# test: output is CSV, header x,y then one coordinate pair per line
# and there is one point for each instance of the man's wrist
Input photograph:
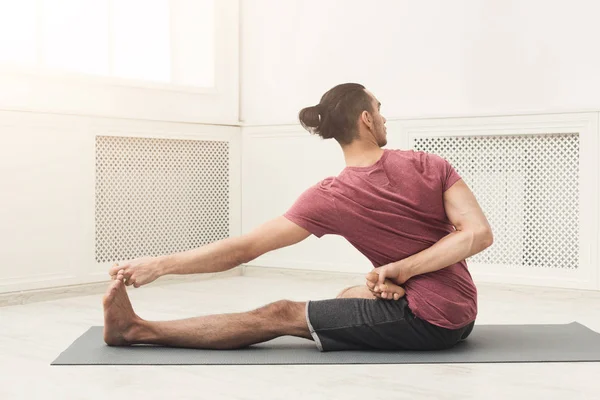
x,y
164,264
405,270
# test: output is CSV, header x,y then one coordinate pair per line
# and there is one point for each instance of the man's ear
x,y
366,119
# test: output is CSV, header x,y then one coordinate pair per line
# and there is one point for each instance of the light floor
x,y
32,336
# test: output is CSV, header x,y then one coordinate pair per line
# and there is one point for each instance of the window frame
x,y
22,87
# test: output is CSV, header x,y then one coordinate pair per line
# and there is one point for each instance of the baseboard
x,y
62,292
349,278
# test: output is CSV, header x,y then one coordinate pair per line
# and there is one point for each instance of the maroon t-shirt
x,y
390,211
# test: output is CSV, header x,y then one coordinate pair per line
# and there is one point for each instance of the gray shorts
x,y
355,324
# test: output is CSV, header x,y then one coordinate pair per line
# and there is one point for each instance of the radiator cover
x,y
159,196
528,188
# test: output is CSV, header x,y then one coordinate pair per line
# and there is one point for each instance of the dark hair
x,y
336,115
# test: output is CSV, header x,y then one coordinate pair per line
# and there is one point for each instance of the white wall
x,y
47,207
421,58
48,124
279,162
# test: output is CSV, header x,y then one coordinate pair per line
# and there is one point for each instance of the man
x,y
408,212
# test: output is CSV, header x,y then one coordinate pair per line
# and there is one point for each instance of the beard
x,y
380,134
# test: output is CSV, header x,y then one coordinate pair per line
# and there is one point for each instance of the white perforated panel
x,y
159,196
528,188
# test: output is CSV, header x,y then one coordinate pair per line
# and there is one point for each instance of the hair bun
x,y
310,117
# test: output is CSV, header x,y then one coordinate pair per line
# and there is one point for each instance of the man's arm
x,y
215,257
229,253
473,234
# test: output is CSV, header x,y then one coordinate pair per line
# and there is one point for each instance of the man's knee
x,y
342,294
356,292
283,310
285,317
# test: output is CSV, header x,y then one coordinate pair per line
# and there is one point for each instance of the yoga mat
x,y
486,344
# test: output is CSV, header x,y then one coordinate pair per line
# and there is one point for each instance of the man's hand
x,y
384,282
396,272
137,272
387,291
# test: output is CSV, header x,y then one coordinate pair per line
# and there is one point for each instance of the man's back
x,y
390,211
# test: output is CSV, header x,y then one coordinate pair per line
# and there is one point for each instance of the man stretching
x,y
408,212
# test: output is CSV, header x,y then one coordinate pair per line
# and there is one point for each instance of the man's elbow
x,y
485,238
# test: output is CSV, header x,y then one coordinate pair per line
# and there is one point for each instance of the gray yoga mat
x,y
486,344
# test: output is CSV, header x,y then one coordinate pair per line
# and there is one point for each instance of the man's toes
x,y
116,285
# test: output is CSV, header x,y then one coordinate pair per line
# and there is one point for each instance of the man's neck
x,y
361,154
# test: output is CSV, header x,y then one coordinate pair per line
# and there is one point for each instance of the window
x,y
164,41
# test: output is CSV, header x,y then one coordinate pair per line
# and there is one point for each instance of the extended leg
x,y
123,327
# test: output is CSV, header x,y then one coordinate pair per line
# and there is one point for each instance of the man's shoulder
x,y
321,189
327,183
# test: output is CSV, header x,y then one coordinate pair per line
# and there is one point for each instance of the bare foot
x,y
119,318
389,290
